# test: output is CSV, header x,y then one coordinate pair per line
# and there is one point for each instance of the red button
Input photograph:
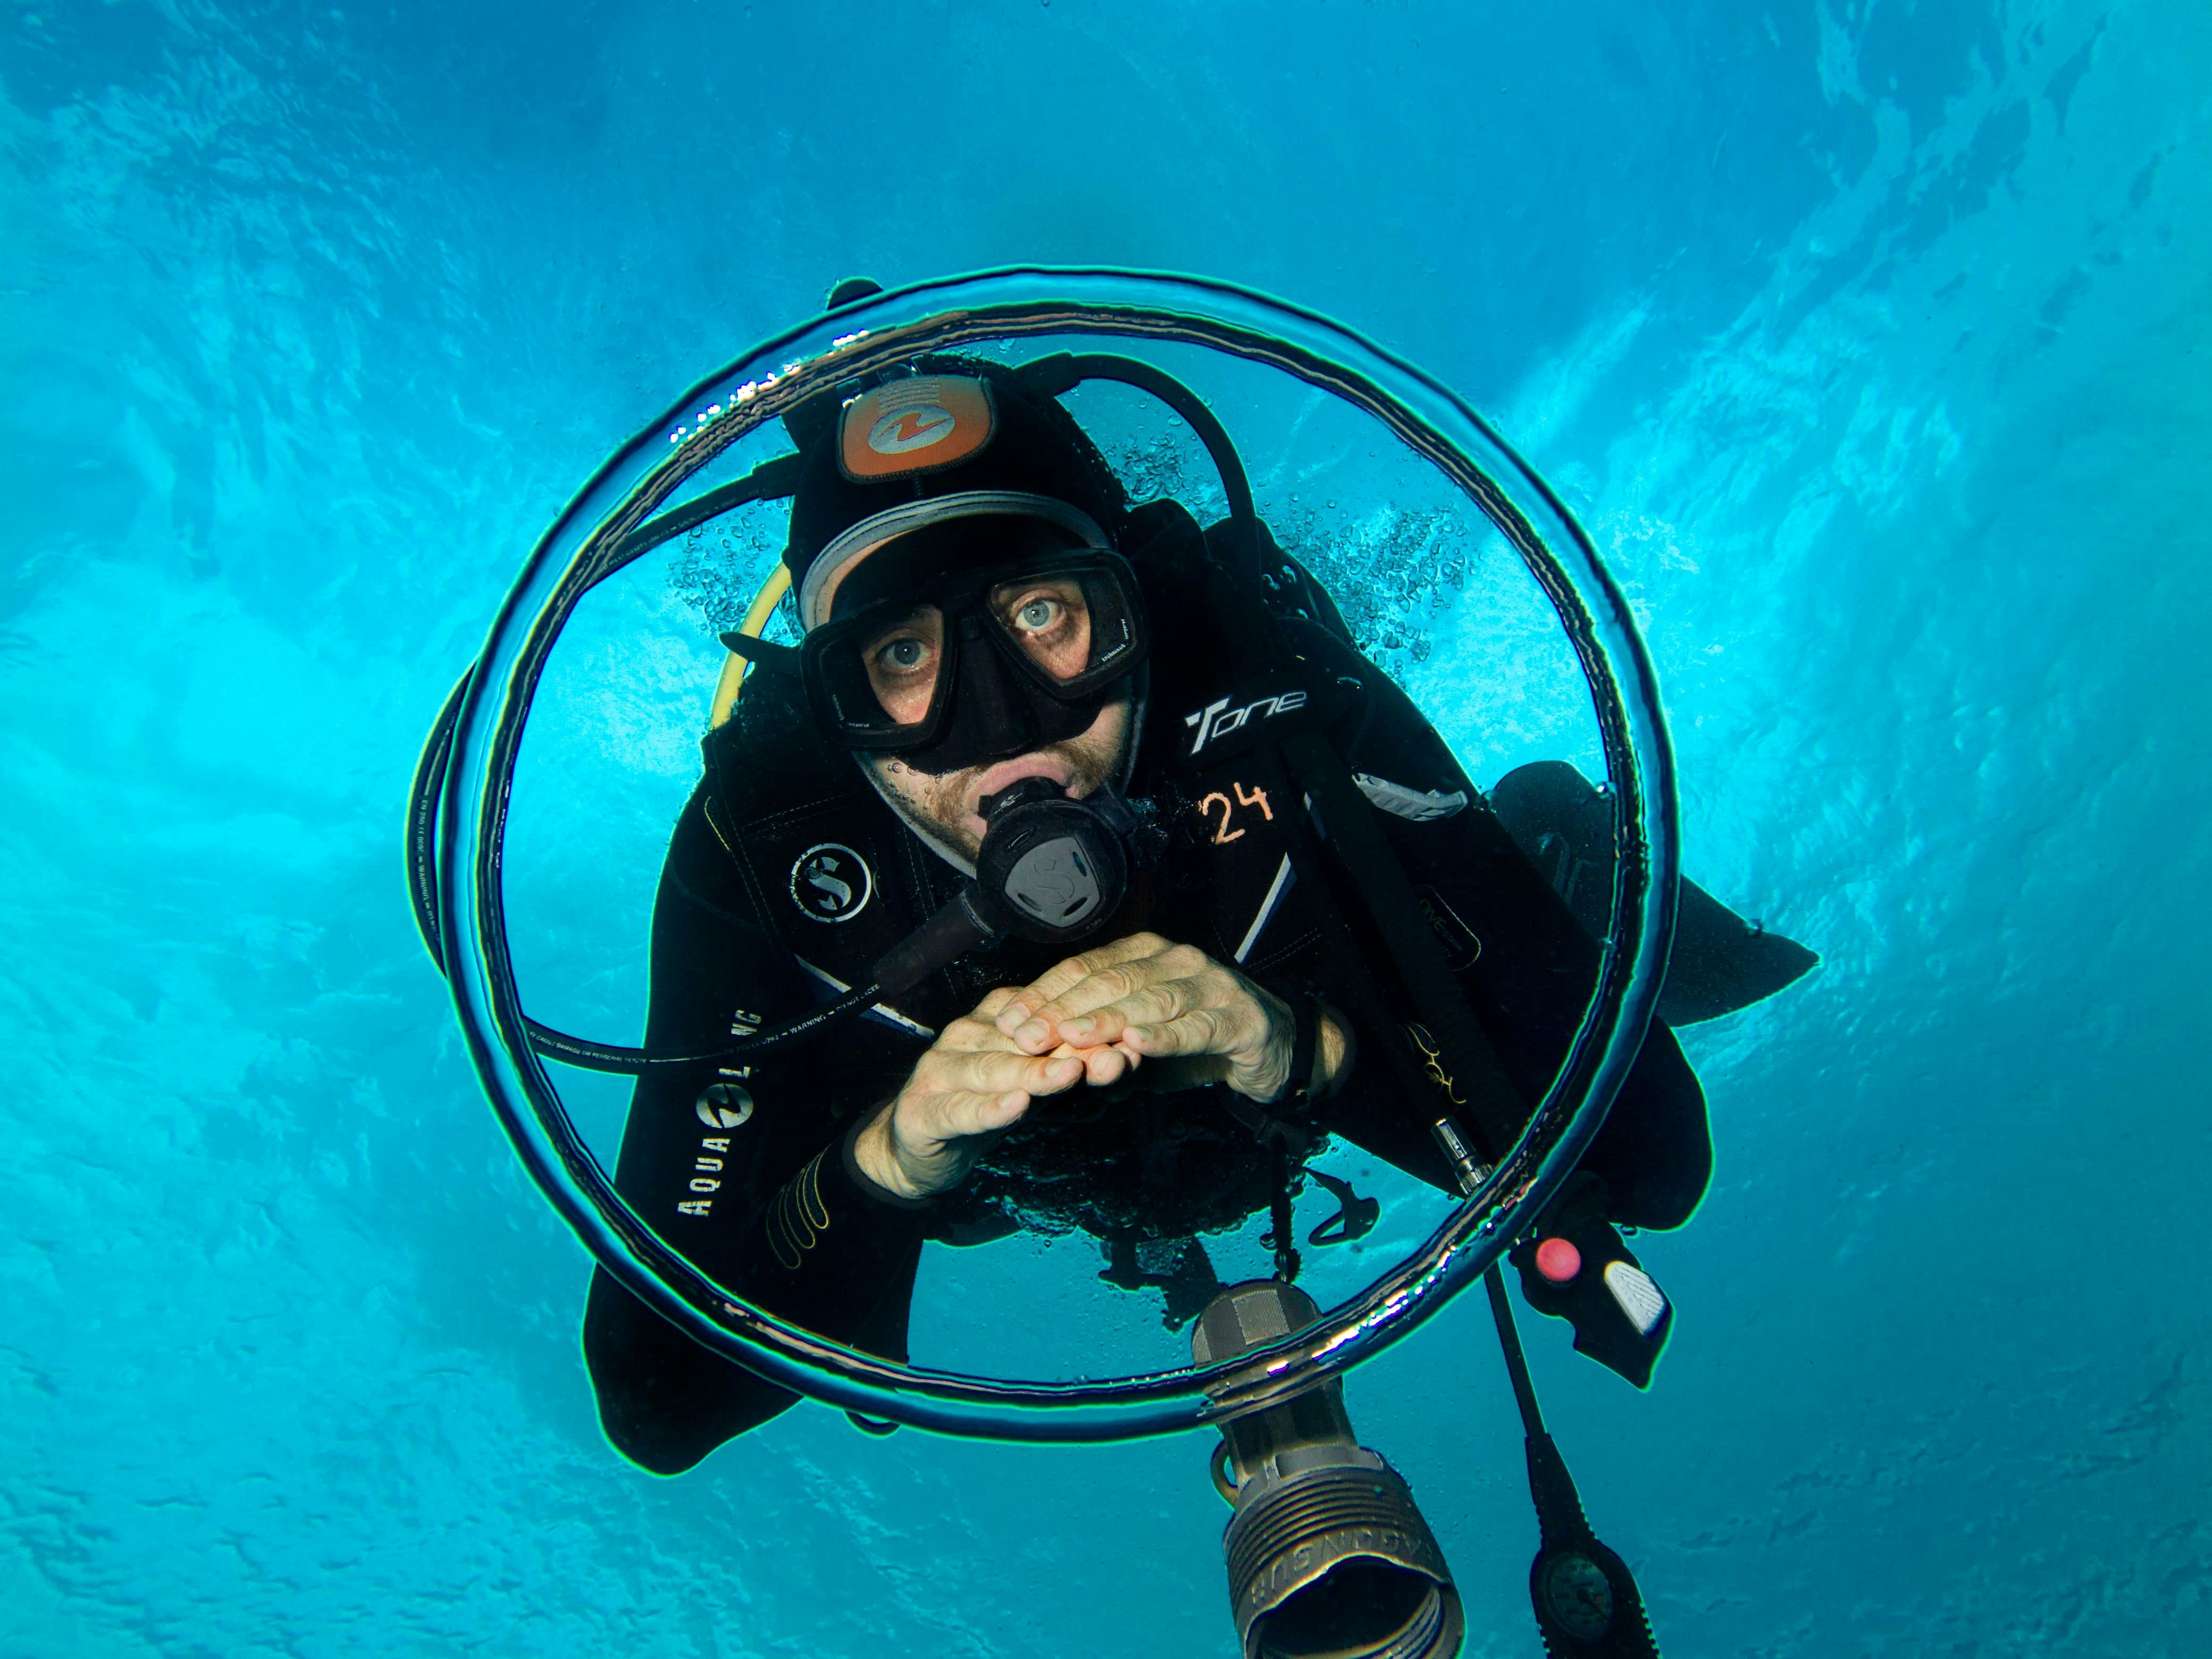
x,y
1558,1260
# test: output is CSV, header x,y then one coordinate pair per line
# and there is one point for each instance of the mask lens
x,y
1075,627
880,672
901,661
1048,620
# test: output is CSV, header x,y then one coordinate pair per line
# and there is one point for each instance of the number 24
x,y
1224,834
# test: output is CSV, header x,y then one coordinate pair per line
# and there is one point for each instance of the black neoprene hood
x,y
1035,448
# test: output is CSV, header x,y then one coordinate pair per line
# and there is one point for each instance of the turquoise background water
x,y
1868,339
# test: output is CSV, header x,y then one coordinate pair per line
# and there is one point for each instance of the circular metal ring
x,y
943,316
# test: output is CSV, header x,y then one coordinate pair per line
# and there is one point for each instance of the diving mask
x,y
978,664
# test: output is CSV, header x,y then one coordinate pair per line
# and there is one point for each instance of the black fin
x,y
1621,1318
1721,962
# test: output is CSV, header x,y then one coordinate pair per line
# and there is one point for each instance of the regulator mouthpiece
x,y
1329,1558
1051,869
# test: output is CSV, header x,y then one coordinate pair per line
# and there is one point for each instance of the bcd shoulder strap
x,y
1468,1069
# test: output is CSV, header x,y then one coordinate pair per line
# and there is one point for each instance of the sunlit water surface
x,y
1865,339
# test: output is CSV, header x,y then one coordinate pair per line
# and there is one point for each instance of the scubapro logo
x,y
910,429
1218,719
831,883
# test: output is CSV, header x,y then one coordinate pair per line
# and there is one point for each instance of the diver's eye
x,y
1037,615
903,656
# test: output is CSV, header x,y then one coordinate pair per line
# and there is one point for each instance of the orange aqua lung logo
x,y
911,428
915,425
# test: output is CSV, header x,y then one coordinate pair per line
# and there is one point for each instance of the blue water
x,y
1870,341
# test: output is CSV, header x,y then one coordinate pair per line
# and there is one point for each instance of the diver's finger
x,y
972,1033
1150,1005
1237,1016
1107,1065
1050,1022
1072,971
1001,1073
1017,1008
988,1009
1206,1031
1094,990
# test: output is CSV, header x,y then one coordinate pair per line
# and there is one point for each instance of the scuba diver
x,y
1158,886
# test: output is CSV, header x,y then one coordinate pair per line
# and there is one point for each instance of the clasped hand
x,y
1094,1018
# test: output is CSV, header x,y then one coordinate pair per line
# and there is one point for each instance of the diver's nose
x,y
987,698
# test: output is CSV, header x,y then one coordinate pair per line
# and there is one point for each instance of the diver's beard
x,y
935,806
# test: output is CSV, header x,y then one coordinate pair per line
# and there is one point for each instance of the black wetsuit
x,y
773,1207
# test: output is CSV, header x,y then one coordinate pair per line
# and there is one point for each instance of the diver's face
x,y
950,803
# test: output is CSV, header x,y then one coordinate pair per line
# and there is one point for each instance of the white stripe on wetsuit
x,y
1275,891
